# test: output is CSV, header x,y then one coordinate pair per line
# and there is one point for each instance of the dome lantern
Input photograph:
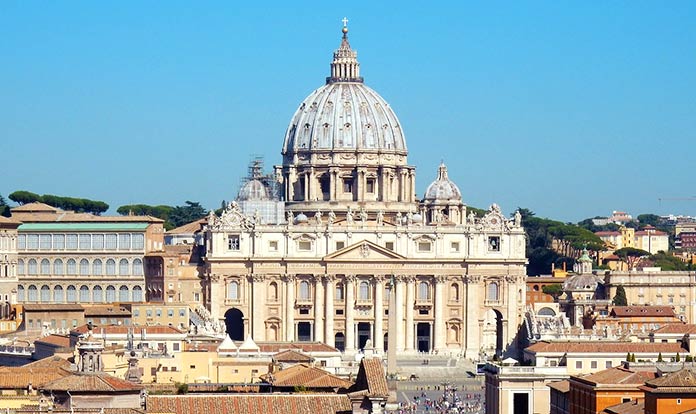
x,y
345,66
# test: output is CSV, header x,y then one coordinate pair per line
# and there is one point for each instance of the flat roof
x,y
83,226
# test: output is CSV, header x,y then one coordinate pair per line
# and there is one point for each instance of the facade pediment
x,y
364,250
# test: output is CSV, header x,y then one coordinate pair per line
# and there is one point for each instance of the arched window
x,y
33,294
71,267
111,267
454,292
273,291
45,267
304,290
71,294
137,294
123,267
364,293
84,267
84,294
20,293
32,267
492,293
110,294
97,295
340,291
233,290
97,267
20,267
45,294
423,291
123,294
58,294
58,267
137,267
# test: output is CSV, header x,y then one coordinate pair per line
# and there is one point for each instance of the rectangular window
x,y
340,245
148,313
33,241
136,312
45,242
175,346
85,241
424,246
389,245
454,247
347,185
192,367
578,364
196,297
124,241
494,244
304,245
98,241
158,312
71,241
304,311
593,364
233,242
58,241
170,313
339,312
370,185
31,324
182,312
22,241
423,311
273,245
111,241
607,364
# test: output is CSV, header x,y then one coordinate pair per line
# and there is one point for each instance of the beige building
x,y
649,239
174,274
355,233
67,257
8,270
172,314
654,287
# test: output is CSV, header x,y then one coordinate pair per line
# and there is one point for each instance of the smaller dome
x,y
301,218
253,190
442,189
583,282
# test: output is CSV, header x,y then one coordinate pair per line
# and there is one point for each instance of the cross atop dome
x,y
345,66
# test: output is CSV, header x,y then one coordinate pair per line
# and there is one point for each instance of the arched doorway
x,y
364,333
234,322
340,341
493,339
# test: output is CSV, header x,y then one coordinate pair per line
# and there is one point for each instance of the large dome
x,y
344,114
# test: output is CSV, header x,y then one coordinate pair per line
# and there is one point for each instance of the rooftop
x,y
606,347
250,404
303,375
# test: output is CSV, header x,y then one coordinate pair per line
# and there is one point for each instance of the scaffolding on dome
x,y
258,194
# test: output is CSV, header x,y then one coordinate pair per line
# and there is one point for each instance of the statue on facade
x,y
409,218
398,218
380,217
363,216
518,218
332,217
472,218
317,217
349,216
290,217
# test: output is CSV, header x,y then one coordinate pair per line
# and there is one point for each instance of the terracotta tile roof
x,y
39,307
123,329
606,347
250,404
37,373
8,221
306,347
642,311
684,378
106,310
617,376
305,376
291,356
630,407
650,233
53,362
371,379
40,212
676,328
91,382
189,228
561,386
35,207
55,340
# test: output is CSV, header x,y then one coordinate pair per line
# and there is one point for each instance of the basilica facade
x,y
339,235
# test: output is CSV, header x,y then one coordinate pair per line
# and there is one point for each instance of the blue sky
x,y
571,109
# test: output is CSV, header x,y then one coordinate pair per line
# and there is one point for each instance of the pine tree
x,y
659,357
620,298
677,358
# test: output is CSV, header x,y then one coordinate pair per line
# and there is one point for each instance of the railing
x,y
16,350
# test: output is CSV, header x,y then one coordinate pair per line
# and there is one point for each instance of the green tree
x,y
181,215
554,289
23,197
677,358
649,219
631,256
659,357
620,297
668,262
4,208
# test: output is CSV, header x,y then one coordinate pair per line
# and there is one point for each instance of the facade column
x,y
318,309
399,311
378,340
402,185
292,177
289,307
258,289
307,183
350,309
412,186
214,299
329,318
472,315
410,304
333,182
440,340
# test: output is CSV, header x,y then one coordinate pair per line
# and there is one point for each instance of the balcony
x,y
304,303
527,371
424,303
364,303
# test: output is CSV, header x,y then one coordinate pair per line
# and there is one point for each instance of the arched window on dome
x,y
492,292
